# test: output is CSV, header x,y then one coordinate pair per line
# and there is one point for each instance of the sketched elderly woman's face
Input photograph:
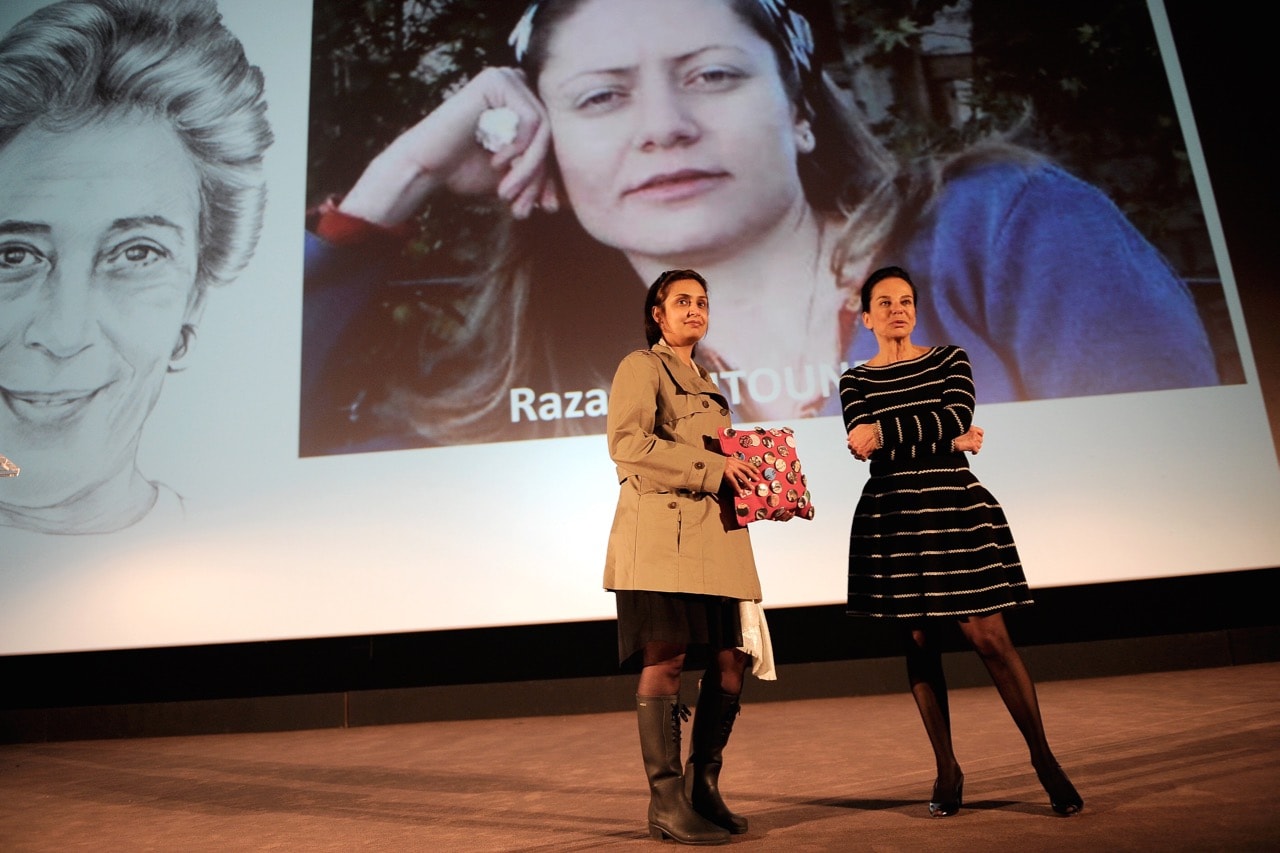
x,y
99,242
673,131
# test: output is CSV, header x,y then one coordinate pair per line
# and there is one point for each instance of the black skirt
x,y
703,623
931,541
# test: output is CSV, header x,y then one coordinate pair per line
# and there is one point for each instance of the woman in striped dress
x,y
929,543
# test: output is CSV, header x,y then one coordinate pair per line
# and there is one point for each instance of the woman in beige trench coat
x,y
677,562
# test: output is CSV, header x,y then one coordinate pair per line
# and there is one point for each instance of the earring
x,y
805,140
188,334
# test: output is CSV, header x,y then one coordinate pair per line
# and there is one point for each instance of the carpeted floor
x,y
1173,761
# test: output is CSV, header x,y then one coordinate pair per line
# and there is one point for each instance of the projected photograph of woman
x,y
131,141
466,269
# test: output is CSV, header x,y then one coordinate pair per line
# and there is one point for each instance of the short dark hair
x,y
879,276
657,293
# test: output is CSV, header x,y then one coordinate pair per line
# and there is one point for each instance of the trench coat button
x,y
723,410
699,465
706,404
671,505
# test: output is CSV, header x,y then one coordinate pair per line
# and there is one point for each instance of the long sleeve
x,y
1083,303
661,453
939,423
338,283
1050,290
671,531
921,406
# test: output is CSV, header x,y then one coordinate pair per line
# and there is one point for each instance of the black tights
x,y
663,663
990,639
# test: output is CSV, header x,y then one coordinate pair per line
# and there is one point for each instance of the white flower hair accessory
x,y
519,38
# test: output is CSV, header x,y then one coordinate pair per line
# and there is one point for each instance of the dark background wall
x,y
1102,629
1229,76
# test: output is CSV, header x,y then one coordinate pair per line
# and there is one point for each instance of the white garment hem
x,y
755,640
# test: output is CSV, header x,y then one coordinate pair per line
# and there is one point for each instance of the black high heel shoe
x,y
1063,798
939,807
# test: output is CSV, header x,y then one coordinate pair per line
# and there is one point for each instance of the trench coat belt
x,y
691,493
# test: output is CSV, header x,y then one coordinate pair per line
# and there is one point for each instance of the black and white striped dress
x,y
928,539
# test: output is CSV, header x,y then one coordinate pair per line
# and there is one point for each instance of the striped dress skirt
x,y
929,540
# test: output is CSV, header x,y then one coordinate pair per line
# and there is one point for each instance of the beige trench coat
x,y
669,531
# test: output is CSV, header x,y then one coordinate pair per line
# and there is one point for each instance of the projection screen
x,y
341,431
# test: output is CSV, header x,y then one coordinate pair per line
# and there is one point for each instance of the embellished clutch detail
x,y
784,486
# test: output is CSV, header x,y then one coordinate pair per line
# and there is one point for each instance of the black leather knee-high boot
x,y
670,814
712,725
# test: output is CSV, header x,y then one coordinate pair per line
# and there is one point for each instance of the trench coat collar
x,y
691,379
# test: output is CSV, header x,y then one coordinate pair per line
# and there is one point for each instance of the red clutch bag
x,y
784,487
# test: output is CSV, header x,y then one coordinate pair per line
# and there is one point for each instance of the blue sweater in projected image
x,y
1051,291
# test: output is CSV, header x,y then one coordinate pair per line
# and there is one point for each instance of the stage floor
x,y
1171,761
